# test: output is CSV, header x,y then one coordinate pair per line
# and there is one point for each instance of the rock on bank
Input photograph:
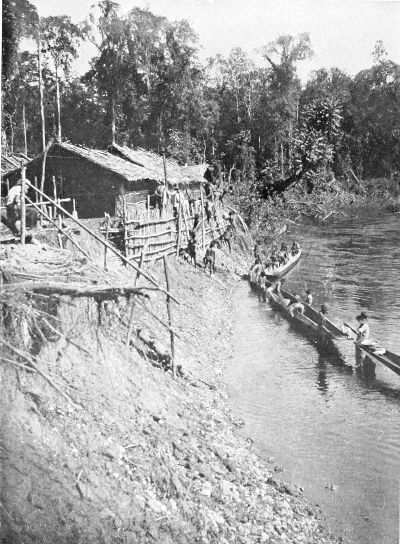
x,y
136,457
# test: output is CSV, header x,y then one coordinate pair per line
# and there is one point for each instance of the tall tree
x,y
283,55
60,39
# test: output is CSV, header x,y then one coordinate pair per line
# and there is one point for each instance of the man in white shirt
x,y
13,206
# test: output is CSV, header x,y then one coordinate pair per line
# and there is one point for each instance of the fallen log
x,y
78,289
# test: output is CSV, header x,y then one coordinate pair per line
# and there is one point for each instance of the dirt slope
x,y
136,457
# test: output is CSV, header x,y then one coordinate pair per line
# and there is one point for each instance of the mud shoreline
x,y
136,457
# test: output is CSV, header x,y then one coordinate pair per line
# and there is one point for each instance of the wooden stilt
x,y
55,211
178,242
35,183
171,334
130,329
203,218
23,208
60,240
107,216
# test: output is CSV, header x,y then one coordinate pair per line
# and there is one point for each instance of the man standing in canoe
x,y
363,329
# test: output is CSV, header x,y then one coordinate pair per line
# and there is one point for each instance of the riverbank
x,y
328,200
119,452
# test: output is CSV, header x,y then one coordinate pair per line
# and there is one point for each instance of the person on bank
x,y
192,247
309,298
262,283
363,329
209,258
13,207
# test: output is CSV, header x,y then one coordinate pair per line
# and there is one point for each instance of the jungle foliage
x,y
146,87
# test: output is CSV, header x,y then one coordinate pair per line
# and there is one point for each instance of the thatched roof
x,y
12,162
109,161
176,173
128,164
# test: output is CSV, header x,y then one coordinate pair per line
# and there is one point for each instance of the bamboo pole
x,y
46,216
130,329
178,241
35,183
110,247
151,235
53,179
203,218
60,240
171,334
184,216
23,208
106,236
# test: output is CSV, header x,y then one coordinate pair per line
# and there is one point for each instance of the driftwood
x,y
76,289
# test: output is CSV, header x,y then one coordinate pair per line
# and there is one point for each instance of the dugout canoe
x,y
382,355
280,271
310,322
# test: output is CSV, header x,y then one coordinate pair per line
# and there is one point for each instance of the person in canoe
x,y
309,297
262,294
296,306
275,287
295,248
363,329
322,313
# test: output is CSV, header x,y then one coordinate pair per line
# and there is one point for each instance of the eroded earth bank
x,y
114,450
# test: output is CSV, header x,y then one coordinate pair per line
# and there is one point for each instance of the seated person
x,y
295,248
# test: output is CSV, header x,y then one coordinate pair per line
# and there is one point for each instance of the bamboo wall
x,y
161,234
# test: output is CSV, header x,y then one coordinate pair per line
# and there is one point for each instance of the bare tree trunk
x,y
41,100
11,135
58,106
24,129
237,106
112,113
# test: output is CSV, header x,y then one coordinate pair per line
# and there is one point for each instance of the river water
x,y
335,432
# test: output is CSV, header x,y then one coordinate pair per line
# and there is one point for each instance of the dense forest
x,y
146,87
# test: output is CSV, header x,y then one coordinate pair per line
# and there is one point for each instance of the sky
x,y
343,32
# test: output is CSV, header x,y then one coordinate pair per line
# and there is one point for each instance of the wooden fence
x,y
158,233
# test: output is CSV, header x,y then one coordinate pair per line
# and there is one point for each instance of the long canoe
x,y
310,321
279,271
384,356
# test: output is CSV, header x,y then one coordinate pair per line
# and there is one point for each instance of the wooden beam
x,y
171,334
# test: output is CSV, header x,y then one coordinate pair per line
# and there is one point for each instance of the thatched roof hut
x,y
96,179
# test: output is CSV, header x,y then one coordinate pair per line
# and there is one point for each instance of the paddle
x,y
308,252
350,327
